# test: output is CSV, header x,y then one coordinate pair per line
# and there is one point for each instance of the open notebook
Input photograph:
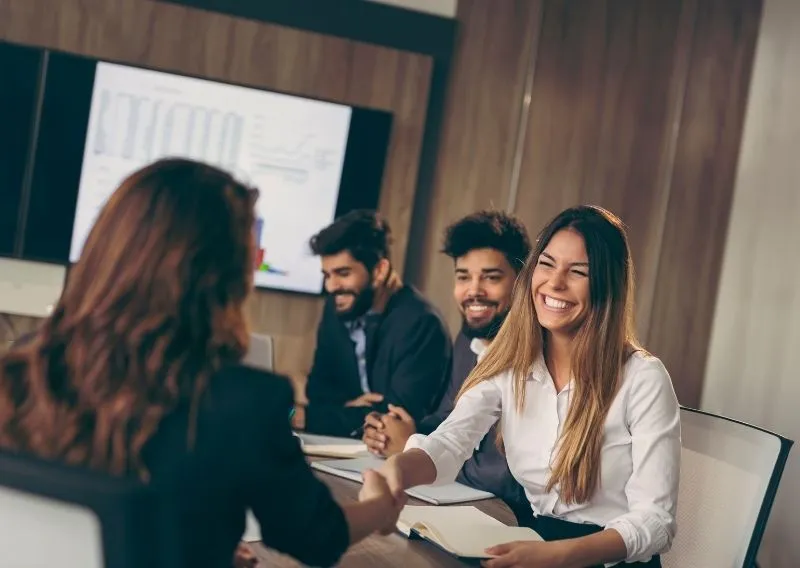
x,y
463,531
332,447
435,494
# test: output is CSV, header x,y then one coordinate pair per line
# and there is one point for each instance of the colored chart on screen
x,y
291,148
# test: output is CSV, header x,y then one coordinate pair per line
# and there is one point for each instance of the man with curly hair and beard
x,y
488,249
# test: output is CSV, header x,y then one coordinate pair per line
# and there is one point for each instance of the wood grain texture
x,y
607,87
480,125
635,106
174,38
393,551
703,177
753,357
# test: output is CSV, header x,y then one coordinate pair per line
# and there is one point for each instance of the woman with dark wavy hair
x,y
137,373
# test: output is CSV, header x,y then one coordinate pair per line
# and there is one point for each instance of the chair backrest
x,y
730,472
260,353
53,515
32,528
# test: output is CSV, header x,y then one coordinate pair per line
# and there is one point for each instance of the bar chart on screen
x,y
291,148
142,128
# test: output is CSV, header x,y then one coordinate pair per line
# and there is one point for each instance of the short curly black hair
x,y
363,233
489,229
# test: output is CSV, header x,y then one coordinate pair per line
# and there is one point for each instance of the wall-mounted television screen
x,y
20,67
311,160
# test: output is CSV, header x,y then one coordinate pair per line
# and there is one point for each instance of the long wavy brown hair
x,y
603,343
150,311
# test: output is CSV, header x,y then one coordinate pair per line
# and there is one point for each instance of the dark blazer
x,y
487,469
408,360
245,456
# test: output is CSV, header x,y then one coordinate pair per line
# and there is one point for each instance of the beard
x,y
486,331
362,302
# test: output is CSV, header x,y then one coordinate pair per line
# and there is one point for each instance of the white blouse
x,y
640,457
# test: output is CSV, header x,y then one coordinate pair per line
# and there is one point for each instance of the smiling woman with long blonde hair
x,y
590,422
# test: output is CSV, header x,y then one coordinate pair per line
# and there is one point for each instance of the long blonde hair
x,y
602,345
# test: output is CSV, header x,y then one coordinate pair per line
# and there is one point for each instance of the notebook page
x,y
338,472
431,515
334,451
472,542
435,494
317,440
358,465
330,446
463,531
447,494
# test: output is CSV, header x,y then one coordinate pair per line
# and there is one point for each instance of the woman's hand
x,y
528,555
376,489
393,474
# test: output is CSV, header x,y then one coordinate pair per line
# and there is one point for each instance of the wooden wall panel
x,y
174,38
635,105
700,195
638,107
607,87
494,50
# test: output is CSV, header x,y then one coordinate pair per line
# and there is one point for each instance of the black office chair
x,y
54,515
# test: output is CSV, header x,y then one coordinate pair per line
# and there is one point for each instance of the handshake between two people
x,y
380,501
386,435
385,489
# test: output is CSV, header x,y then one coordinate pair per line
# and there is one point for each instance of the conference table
x,y
390,551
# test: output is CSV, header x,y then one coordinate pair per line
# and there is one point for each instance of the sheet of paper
x,y
463,531
458,514
330,446
436,494
317,440
357,465
472,542
448,494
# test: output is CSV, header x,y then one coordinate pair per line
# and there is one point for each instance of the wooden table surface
x,y
384,551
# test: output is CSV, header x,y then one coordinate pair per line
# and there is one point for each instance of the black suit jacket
x,y
245,456
408,360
